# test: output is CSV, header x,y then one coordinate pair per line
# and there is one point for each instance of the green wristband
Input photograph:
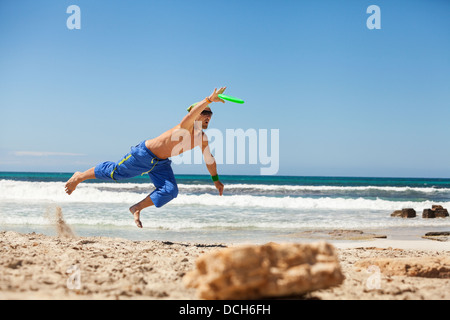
x,y
215,178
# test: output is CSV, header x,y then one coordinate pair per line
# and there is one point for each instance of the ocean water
x,y
252,209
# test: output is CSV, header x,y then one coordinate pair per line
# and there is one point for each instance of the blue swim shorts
x,y
139,161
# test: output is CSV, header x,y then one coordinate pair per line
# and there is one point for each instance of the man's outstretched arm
x,y
211,164
188,120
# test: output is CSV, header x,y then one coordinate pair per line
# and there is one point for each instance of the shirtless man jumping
x,y
152,157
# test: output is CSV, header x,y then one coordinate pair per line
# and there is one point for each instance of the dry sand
x,y
36,266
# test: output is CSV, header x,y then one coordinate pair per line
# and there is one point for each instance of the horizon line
x,y
255,175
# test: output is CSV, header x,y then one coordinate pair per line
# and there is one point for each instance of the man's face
x,y
205,117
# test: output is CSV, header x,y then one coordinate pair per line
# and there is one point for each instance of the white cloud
x,y
44,154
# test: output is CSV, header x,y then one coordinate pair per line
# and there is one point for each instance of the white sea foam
x,y
243,207
247,221
54,191
131,193
263,187
300,202
317,188
23,188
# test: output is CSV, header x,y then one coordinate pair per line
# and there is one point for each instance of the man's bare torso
x,y
175,141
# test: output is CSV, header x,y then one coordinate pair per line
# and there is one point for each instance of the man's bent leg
x,y
79,177
136,209
166,189
165,183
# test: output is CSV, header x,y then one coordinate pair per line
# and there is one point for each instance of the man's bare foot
x,y
137,214
73,182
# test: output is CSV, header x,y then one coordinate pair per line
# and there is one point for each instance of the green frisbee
x,y
232,99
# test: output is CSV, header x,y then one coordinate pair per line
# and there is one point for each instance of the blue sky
x,y
348,101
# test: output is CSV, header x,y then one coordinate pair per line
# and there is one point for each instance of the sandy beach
x,y
37,266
